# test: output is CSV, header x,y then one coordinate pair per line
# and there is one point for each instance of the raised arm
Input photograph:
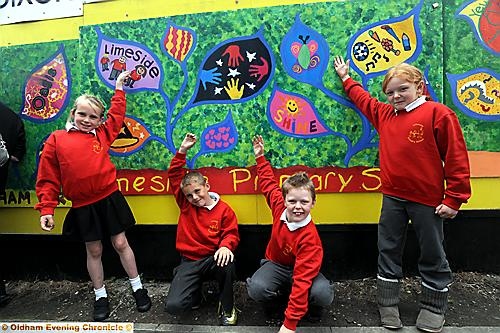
x,y
341,67
187,143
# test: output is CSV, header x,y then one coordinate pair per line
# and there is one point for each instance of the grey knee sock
x,y
388,292
434,300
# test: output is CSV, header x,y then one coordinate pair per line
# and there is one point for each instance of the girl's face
x,y
86,117
401,92
299,203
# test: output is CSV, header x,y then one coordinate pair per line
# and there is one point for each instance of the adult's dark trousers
x,y
392,233
185,289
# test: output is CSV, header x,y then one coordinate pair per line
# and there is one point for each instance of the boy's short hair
x,y
193,177
405,71
298,180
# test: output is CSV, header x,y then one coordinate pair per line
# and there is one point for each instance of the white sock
x,y
101,292
136,283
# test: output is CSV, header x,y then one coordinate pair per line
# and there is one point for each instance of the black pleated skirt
x,y
104,218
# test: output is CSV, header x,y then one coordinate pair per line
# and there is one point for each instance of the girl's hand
x,y
446,212
258,145
341,67
121,79
188,142
47,222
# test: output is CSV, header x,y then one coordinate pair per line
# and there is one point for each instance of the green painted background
x,y
449,46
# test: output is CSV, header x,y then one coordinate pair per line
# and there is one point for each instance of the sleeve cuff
x,y
452,203
178,154
291,324
260,159
119,92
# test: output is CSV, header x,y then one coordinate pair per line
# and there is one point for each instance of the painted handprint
x,y
259,71
210,76
233,90
234,55
254,71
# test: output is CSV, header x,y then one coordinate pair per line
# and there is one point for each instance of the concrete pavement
x,y
164,328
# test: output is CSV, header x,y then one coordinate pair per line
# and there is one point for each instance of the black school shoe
x,y
101,309
142,300
314,314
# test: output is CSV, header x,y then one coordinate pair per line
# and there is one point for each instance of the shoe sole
x,y
101,318
144,308
391,327
431,330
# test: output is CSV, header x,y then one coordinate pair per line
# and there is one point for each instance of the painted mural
x,y
227,76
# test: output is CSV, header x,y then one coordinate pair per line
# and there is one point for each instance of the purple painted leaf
x,y
114,56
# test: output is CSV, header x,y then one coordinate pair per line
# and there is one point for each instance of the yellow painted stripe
x,y
121,10
331,208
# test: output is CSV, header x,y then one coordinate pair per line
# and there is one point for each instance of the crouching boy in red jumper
x,y
207,235
294,252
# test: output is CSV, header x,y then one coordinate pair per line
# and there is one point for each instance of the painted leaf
x,y
220,137
234,71
477,93
47,90
382,45
114,56
178,42
304,53
133,136
484,18
294,115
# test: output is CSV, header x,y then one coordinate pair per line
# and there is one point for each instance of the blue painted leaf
x,y
221,137
304,53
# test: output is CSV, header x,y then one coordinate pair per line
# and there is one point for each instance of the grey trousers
x,y
273,280
185,289
392,228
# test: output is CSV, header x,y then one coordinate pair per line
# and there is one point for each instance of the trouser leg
x,y
225,277
184,287
269,281
392,229
321,293
432,263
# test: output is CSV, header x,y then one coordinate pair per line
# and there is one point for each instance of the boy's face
x,y
401,92
197,194
86,118
298,203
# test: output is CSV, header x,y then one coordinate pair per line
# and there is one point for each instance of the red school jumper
x,y
413,146
300,249
201,231
80,163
